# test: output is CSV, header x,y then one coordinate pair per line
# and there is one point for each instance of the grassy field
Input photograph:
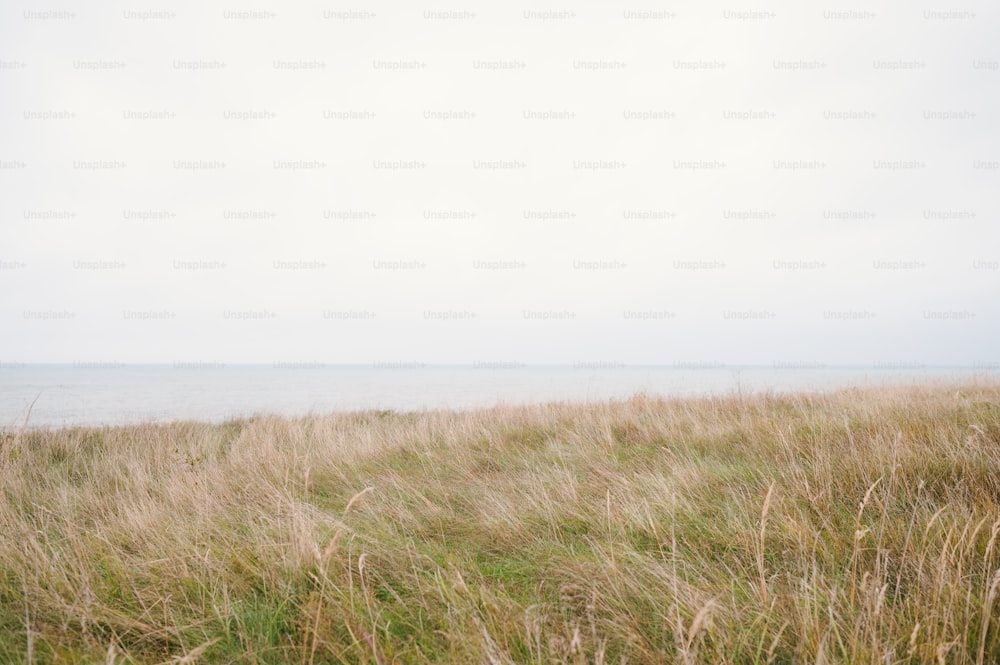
x,y
852,527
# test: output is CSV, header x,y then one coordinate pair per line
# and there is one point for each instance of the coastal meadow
x,y
853,526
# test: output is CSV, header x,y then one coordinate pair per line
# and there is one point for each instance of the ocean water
x,y
66,395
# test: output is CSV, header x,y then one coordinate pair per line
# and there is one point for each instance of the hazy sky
x,y
676,182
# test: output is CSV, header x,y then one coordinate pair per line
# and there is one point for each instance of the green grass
x,y
861,526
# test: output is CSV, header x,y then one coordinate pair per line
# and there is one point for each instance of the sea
x,y
53,396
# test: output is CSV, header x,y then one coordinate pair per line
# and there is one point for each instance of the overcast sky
x,y
675,182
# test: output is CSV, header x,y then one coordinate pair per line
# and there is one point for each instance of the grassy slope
x,y
860,527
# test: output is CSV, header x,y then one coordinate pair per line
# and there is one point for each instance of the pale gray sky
x,y
658,183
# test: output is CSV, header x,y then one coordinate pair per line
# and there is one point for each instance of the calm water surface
x,y
74,395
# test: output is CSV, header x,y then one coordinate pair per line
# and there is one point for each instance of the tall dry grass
x,y
855,527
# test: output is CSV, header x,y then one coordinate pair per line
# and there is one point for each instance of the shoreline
x,y
984,377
